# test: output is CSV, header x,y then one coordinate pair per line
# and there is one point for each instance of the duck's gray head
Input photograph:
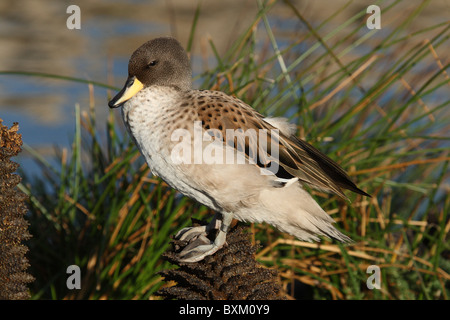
x,y
158,62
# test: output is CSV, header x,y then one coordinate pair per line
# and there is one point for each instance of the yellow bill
x,y
132,86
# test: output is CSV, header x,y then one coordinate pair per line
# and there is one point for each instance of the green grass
x,y
376,104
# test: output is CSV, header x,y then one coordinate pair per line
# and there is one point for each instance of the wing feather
x,y
294,157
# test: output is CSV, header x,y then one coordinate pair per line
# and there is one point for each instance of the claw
x,y
199,245
198,253
188,234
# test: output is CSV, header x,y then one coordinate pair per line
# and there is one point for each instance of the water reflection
x,y
34,37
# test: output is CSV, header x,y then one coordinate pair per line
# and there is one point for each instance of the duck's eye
x,y
152,63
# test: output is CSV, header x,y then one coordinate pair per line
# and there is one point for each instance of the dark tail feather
x,y
331,168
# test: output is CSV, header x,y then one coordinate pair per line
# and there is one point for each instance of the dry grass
x,y
376,104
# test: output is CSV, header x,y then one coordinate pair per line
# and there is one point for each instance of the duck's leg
x,y
202,246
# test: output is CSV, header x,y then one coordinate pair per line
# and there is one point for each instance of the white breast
x,y
150,118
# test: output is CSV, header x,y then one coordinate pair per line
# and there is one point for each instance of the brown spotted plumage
x,y
263,183
219,112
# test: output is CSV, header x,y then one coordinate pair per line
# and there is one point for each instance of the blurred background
x,y
34,38
375,100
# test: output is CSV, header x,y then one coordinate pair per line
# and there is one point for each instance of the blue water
x,y
23,98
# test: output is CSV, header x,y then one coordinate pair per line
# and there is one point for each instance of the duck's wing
x,y
243,128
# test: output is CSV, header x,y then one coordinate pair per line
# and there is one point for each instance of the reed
x,y
378,104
